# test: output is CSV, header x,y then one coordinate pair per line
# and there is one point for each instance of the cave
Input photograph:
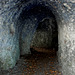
x,y
26,25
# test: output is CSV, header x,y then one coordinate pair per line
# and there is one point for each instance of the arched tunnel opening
x,y
41,40
38,19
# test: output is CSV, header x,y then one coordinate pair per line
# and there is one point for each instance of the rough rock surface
x,y
12,22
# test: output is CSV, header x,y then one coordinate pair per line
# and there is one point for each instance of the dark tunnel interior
x,y
46,22
38,32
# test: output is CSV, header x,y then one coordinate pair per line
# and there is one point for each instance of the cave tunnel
x,y
46,35
34,22
37,37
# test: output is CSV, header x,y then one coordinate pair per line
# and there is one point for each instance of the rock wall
x,y
12,24
41,39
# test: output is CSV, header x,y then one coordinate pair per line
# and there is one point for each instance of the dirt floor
x,y
38,63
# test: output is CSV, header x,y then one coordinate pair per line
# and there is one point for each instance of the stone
x,y
19,13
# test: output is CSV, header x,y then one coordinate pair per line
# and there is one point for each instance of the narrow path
x,y
37,63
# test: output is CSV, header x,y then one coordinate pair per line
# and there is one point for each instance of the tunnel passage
x,y
46,35
12,24
31,23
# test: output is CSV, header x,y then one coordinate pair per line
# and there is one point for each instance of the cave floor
x,y
36,64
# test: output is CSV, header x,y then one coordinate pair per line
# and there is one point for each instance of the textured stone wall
x,y
67,48
41,39
12,24
9,45
66,40
26,35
